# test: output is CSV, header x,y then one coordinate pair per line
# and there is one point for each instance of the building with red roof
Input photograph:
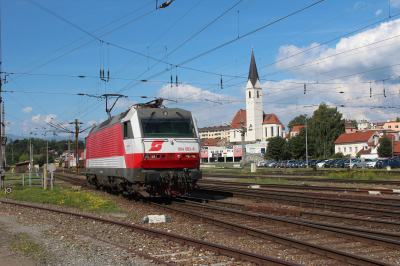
x,y
259,126
358,142
296,130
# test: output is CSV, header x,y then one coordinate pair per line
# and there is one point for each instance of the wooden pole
x,y
45,176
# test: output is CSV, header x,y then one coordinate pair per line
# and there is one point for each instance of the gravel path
x,y
58,247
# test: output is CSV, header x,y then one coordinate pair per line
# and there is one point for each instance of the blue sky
x,y
340,49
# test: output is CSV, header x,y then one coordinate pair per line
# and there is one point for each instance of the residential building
x,y
377,125
355,142
296,130
260,126
363,124
349,127
215,132
209,142
392,125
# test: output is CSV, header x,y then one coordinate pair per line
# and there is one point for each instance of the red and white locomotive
x,y
147,150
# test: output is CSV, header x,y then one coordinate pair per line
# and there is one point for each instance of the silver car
x,y
360,163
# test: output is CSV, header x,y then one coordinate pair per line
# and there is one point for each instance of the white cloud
x,y
395,3
27,110
325,63
124,104
378,12
189,94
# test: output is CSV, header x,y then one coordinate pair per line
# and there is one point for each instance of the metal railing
x,y
18,178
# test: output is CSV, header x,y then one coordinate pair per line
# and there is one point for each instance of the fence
x,y
34,179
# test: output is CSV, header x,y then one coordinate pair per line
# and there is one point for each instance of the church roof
x,y
271,119
268,119
253,74
238,118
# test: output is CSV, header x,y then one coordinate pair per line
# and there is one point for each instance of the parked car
x,y
272,164
331,163
392,162
372,163
322,163
361,163
351,163
340,163
315,162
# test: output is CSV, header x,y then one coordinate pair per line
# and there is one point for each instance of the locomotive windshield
x,y
153,127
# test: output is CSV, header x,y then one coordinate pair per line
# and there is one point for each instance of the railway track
x,y
218,251
296,177
260,228
359,207
306,216
305,190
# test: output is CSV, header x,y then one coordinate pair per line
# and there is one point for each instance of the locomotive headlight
x,y
179,156
146,156
153,156
193,155
187,155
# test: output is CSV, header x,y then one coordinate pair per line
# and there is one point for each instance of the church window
x,y
258,94
278,130
234,134
272,131
266,132
249,94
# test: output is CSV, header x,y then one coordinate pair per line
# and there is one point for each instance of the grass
x,y
268,181
62,196
22,243
358,174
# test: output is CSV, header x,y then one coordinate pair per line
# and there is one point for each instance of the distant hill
x,y
57,138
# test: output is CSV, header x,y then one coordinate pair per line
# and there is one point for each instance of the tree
x,y
355,124
338,155
278,149
397,119
297,121
325,126
385,147
297,145
24,157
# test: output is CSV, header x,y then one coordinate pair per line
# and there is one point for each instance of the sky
x,y
340,52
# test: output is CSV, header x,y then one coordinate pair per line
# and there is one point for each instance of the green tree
x,y
338,155
325,126
24,157
355,124
297,145
385,147
297,121
397,119
278,149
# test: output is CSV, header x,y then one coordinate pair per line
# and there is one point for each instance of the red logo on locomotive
x,y
156,145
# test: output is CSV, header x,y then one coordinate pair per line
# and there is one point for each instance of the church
x,y
260,126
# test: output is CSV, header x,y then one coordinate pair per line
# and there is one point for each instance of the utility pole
x,y
47,152
243,131
3,132
76,144
69,139
306,143
1,99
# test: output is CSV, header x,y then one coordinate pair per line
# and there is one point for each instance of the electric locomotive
x,y
147,150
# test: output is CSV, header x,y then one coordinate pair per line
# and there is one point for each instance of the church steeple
x,y
253,74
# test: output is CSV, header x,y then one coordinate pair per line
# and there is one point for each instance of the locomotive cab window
x,y
153,127
127,130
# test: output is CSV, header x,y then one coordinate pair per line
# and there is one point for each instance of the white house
x,y
358,142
